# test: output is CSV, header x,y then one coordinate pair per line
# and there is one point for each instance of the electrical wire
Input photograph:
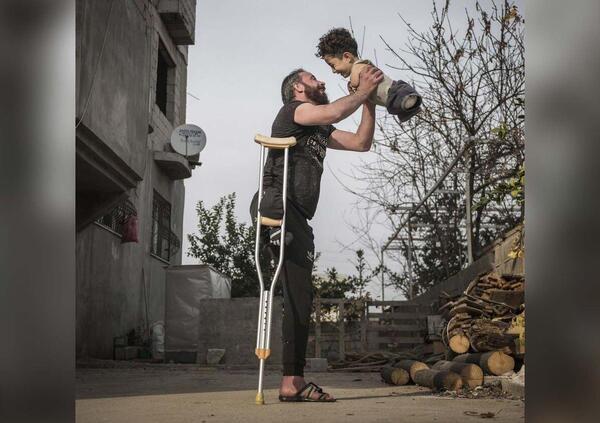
x,y
87,101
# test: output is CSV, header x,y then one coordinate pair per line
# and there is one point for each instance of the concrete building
x,y
131,93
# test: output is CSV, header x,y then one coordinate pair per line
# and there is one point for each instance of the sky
x,y
242,51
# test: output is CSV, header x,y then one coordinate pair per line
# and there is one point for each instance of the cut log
x,y
446,307
493,363
487,335
459,343
394,375
511,298
457,321
471,374
438,379
512,277
465,308
411,366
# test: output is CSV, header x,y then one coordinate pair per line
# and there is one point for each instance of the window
x,y
115,219
164,242
165,70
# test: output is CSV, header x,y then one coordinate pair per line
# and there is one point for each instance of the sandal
x,y
308,390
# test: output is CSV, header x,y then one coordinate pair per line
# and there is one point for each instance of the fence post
x,y
363,327
468,201
341,329
318,327
411,292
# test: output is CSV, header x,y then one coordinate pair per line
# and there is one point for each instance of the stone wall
x,y
232,324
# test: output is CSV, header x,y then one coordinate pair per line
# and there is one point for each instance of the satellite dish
x,y
188,140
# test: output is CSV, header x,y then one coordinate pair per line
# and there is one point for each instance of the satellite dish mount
x,y
188,140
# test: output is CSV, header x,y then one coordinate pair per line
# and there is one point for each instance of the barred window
x,y
161,227
115,219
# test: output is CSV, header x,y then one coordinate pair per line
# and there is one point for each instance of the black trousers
x,y
297,292
296,279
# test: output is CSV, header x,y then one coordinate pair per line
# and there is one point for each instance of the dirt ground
x,y
207,395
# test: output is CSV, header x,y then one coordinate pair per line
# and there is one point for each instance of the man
x,y
308,116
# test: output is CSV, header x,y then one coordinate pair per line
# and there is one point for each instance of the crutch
x,y
265,311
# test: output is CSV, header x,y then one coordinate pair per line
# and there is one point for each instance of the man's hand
x,y
369,79
309,114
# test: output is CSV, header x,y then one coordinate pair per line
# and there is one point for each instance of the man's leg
x,y
297,306
297,303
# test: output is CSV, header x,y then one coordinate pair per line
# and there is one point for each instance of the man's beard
x,y
315,94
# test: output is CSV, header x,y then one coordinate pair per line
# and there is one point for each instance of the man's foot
x,y
295,389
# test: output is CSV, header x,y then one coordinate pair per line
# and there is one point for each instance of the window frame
x,y
165,80
160,236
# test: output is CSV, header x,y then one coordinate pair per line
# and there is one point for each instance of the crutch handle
x,y
275,143
267,221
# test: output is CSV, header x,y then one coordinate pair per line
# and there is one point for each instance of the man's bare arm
x,y
362,140
310,114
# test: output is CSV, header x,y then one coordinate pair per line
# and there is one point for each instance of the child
x,y
339,50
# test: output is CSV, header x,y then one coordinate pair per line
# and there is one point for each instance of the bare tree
x,y
471,77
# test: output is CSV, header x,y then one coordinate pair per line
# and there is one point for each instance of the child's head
x,y
339,50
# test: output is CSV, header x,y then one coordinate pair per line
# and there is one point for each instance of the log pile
x,y
439,379
481,326
465,370
479,318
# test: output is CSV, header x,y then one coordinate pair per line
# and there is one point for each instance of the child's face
x,y
342,65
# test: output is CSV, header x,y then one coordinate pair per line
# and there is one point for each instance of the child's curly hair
x,y
335,42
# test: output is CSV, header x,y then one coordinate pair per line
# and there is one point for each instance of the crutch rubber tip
x,y
260,399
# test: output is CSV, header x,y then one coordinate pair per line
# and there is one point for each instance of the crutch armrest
x,y
276,143
267,221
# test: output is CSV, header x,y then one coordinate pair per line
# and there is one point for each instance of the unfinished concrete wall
x,y
113,76
232,324
110,292
122,286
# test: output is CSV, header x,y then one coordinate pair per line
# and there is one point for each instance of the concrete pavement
x,y
208,395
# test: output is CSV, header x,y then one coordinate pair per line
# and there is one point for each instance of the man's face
x,y
314,89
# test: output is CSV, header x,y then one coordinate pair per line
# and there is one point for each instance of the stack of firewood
x,y
464,371
419,373
479,318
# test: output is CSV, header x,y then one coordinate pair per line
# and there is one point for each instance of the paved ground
x,y
208,395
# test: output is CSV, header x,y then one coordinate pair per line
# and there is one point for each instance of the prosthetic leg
x,y
263,337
